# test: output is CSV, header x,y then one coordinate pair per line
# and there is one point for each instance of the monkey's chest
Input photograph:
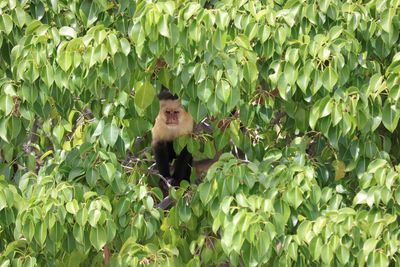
x,y
170,133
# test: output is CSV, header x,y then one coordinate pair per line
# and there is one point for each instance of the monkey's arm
x,y
162,158
183,165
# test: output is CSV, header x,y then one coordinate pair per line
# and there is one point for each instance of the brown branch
x,y
32,137
278,117
106,254
116,6
166,203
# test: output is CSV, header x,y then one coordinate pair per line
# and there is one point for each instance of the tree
x,y
308,90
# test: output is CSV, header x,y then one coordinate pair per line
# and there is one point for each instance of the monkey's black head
x,y
165,94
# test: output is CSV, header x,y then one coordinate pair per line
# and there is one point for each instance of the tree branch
x,y
166,203
32,137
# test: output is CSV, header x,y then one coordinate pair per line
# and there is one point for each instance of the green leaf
x,y
3,128
222,140
315,247
125,46
100,36
336,115
107,171
379,259
72,207
41,232
3,202
250,72
99,128
137,34
295,197
326,253
110,134
219,40
360,198
100,53
6,104
98,237
64,60
223,90
204,90
232,184
314,115
184,211
123,207
292,250
197,110
47,76
191,10
205,190
82,216
390,116
243,41
21,17
290,73
28,229
209,149
91,177
144,95
67,31
369,246
15,126
343,254
303,80
12,4
376,165
58,133
148,203
9,90
304,231
329,78
335,32
94,216
163,28
292,55
376,84
222,19
199,73
168,7
114,45
325,106
387,19
6,23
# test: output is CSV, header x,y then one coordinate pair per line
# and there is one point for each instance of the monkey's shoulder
x,y
163,132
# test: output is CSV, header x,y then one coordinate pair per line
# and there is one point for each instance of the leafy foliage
x,y
308,90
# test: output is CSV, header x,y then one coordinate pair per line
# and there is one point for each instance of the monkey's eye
x,y
176,112
168,112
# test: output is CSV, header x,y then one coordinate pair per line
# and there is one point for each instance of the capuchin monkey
x,y
172,121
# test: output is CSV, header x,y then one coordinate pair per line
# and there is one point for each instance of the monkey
x,y
171,122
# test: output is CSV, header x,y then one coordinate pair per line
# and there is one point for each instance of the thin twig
x,y
165,180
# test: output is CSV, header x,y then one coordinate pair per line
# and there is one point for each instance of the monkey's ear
x,y
165,94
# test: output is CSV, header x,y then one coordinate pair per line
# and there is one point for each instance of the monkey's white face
x,y
171,111
172,121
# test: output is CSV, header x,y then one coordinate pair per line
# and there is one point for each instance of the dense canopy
x,y
307,89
